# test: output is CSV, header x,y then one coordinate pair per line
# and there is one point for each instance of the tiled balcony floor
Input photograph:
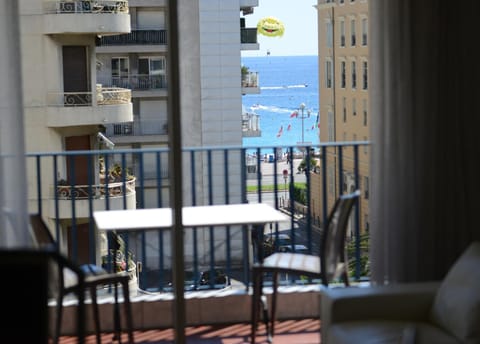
x,y
306,331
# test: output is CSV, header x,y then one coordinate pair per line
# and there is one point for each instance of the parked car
x,y
297,248
202,281
271,241
283,239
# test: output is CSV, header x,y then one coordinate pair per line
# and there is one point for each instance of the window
x,y
364,31
365,75
151,72
331,180
151,65
331,127
354,75
342,33
365,113
354,106
120,72
343,79
344,106
365,147
341,1
329,34
366,187
328,74
353,41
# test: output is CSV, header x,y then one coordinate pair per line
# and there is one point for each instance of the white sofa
x,y
443,312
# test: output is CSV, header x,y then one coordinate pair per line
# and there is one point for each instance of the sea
x,y
285,82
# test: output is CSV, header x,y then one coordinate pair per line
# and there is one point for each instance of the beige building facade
x,y
343,101
64,110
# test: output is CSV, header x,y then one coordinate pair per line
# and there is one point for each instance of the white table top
x,y
197,216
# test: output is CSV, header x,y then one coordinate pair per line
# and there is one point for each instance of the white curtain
x,y
424,95
13,195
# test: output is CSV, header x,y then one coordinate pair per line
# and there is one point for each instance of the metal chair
x,y
25,287
330,264
91,283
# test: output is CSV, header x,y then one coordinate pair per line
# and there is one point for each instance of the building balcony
x,y
250,84
135,37
143,131
248,39
105,17
229,249
106,105
85,196
248,4
251,125
141,85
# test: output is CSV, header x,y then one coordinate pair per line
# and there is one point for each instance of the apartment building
x,y
213,35
343,99
65,111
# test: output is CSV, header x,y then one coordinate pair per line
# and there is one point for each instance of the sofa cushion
x,y
456,306
387,332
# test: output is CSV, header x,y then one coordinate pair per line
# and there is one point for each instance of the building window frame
x,y
353,32
364,32
365,75
354,74
328,74
365,113
342,33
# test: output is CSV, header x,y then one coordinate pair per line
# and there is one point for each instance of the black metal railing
x,y
135,37
301,181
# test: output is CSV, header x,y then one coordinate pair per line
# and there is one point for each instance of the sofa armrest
x,y
411,302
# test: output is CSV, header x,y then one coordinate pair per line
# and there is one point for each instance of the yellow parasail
x,y
271,27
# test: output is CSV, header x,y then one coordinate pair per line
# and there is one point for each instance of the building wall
x,y
344,106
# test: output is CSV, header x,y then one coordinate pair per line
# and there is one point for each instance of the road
x,y
268,169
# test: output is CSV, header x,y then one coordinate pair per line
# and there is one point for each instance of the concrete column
x,y
13,194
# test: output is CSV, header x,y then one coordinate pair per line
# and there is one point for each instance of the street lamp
x,y
300,113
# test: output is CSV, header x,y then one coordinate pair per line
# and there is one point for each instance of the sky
x,y
300,20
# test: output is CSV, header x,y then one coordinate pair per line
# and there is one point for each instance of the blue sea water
x,y
285,83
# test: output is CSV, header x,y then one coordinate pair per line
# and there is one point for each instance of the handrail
x,y
86,6
97,190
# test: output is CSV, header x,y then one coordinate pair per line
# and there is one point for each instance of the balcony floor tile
x,y
305,331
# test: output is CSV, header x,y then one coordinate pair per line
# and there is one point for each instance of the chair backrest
x,y
25,298
42,235
333,258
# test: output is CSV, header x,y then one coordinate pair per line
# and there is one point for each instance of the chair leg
x,y
255,307
274,304
264,304
58,320
128,311
96,317
116,316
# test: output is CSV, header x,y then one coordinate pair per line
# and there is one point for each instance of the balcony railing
x,y
104,96
304,187
250,79
87,6
251,125
135,37
139,127
69,192
136,82
248,35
